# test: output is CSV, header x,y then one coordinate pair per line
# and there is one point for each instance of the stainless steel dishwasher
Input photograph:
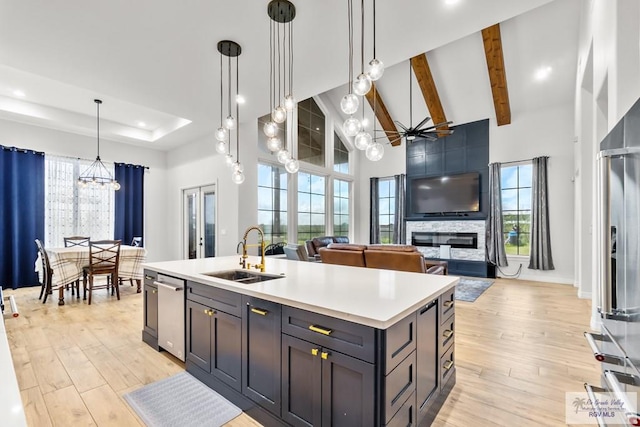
x,y
171,315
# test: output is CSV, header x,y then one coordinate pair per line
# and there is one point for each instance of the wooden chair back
x,y
47,273
76,241
104,256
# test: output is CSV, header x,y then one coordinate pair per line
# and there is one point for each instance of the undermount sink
x,y
243,276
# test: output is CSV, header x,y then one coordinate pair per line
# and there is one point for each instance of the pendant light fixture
x,y
97,174
350,102
221,133
231,49
362,83
281,99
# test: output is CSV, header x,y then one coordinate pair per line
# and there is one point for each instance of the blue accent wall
x,y
466,150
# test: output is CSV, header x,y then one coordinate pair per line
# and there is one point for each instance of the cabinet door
x,y
261,325
427,356
199,335
226,349
301,382
347,390
151,310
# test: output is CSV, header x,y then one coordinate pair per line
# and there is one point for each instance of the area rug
x,y
181,400
469,289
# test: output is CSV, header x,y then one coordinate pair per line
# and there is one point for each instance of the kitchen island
x,y
315,344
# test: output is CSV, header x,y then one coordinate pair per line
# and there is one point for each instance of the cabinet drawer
x,y
400,340
398,385
150,277
406,416
339,335
216,298
447,365
447,332
447,304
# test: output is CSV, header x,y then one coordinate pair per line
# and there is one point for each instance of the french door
x,y
199,229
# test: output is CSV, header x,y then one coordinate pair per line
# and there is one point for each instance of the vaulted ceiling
x,y
155,61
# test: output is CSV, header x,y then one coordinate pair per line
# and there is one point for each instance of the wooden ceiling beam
x,y
427,85
495,65
382,114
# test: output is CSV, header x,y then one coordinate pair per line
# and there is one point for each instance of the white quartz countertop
x,y
372,297
11,409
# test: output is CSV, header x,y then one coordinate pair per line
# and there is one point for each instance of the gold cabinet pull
x,y
259,311
314,351
324,355
447,365
206,311
319,330
448,303
146,276
447,333
155,291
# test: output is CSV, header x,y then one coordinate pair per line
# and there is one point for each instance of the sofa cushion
x,y
393,247
395,260
341,239
352,256
347,246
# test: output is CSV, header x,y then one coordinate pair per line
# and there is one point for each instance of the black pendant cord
x,y
229,88
362,37
221,96
270,65
350,19
374,29
237,108
410,97
277,97
98,128
290,58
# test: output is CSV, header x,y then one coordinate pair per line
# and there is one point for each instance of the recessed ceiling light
x,y
543,73
19,93
142,124
240,99
450,2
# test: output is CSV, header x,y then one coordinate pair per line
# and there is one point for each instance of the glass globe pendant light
x,y
349,103
362,84
289,102
362,140
221,147
292,166
221,134
237,177
375,151
274,144
230,122
283,156
228,159
279,114
270,129
351,126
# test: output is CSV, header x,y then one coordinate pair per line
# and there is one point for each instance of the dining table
x,y
67,265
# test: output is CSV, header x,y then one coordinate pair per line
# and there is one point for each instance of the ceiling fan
x,y
410,133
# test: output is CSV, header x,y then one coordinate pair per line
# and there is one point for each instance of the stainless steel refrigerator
x,y
618,265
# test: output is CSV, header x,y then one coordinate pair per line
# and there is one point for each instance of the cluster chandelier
x,y
97,174
281,99
230,49
361,86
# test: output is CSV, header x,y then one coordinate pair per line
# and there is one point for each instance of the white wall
x,y
608,84
544,132
71,145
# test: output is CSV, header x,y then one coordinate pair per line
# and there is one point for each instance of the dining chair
x,y
70,242
76,241
104,259
47,274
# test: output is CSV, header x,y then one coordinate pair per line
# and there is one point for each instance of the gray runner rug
x,y
181,400
469,289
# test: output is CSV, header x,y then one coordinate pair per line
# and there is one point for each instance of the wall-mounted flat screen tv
x,y
446,194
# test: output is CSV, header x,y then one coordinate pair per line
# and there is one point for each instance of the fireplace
x,y
453,239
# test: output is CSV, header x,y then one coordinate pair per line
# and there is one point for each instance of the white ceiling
x,y
156,60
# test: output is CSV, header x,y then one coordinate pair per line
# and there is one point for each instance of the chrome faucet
x,y
243,260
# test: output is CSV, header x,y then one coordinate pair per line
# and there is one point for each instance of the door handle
x,y
259,311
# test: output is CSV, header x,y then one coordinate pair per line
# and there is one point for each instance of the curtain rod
x,y
518,161
90,160
22,150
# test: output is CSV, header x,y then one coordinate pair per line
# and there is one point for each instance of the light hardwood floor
x,y
519,348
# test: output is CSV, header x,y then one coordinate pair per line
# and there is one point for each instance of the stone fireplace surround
x,y
467,226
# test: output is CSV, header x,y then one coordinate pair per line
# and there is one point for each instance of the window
x,y
311,206
74,211
516,208
386,208
340,207
340,155
311,133
272,202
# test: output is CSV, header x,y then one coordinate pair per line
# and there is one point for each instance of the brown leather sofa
x,y
313,246
344,254
389,257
